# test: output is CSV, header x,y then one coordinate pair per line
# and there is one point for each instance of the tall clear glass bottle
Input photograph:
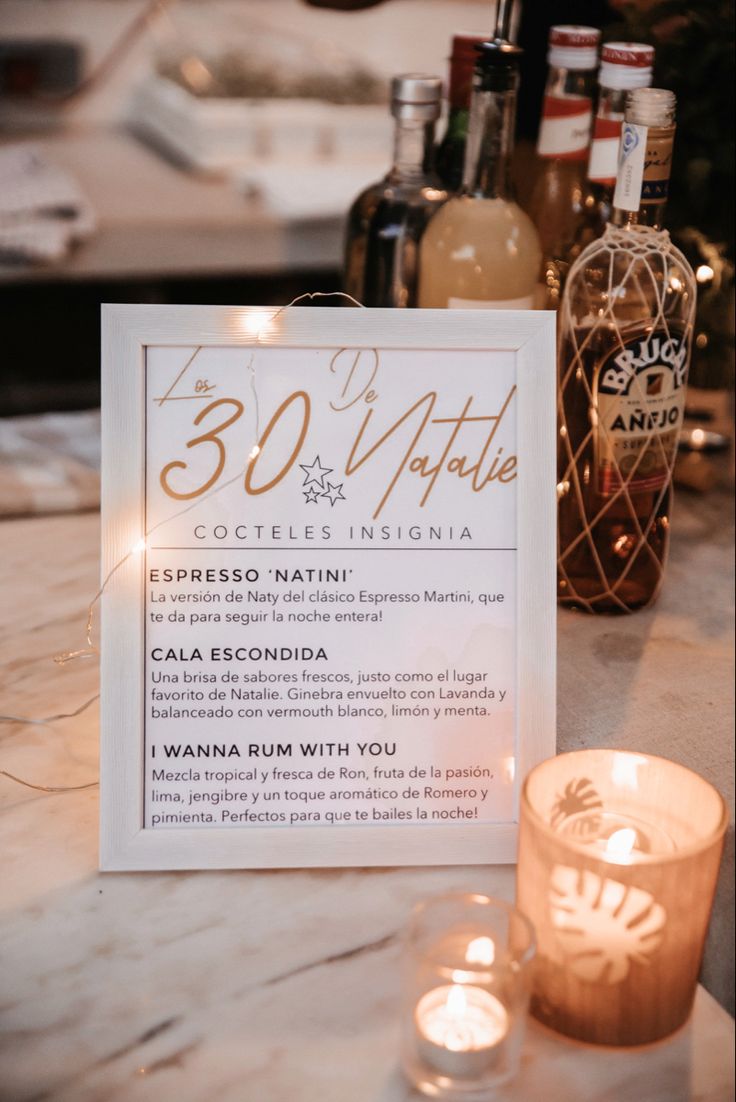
x,y
451,150
624,66
556,201
624,351
387,220
480,249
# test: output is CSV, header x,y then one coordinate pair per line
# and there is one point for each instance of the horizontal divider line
x,y
226,548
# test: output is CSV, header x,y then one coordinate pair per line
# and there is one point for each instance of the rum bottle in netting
x,y
481,250
556,202
625,334
387,220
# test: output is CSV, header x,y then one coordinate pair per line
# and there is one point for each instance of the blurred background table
x,y
282,986
166,234
169,224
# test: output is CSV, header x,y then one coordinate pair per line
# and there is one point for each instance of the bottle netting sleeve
x,y
627,272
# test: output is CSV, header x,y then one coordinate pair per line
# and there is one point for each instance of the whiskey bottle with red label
x,y
556,202
624,66
624,351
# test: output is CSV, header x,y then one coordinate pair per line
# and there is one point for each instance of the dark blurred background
x,y
170,229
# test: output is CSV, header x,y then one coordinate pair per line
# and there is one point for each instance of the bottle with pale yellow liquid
x,y
480,250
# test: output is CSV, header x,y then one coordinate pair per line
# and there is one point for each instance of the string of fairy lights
x,y
91,650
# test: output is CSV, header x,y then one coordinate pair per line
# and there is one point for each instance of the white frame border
x,y
126,332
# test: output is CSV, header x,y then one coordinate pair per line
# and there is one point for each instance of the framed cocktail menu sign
x,y
328,623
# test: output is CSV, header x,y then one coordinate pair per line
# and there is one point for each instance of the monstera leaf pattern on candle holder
x,y
603,926
578,795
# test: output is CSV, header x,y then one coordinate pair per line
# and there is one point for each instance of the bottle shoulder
x,y
630,274
477,249
471,208
366,201
483,226
425,191
641,246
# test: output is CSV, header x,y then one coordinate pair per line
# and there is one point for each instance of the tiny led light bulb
x,y
457,1004
256,323
481,951
139,547
254,452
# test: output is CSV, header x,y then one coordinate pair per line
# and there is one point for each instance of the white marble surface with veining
x,y
283,986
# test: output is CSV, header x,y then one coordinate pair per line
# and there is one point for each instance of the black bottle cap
x,y
498,52
497,66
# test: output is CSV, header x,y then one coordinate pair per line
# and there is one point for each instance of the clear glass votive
x,y
466,994
618,861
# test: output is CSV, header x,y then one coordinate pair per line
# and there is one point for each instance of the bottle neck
x,y
570,82
603,161
413,150
490,144
642,182
567,114
461,82
457,115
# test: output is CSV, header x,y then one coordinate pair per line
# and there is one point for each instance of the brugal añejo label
x,y
639,396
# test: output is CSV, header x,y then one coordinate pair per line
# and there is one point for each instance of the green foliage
x,y
694,57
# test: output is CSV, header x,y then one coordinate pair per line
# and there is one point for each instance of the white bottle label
x,y
526,302
565,128
604,150
631,158
603,159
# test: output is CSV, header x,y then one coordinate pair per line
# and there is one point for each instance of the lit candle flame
x,y
461,1019
457,1004
481,951
621,842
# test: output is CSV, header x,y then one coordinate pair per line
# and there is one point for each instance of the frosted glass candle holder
x,y
466,995
618,860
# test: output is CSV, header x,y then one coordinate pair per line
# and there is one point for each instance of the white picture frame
x,y
128,331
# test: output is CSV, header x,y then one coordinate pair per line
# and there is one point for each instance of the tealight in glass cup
x,y
466,993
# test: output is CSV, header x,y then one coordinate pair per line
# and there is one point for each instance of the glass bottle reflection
x,y
388,219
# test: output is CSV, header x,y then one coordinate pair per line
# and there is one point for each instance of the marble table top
x,y
282,986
